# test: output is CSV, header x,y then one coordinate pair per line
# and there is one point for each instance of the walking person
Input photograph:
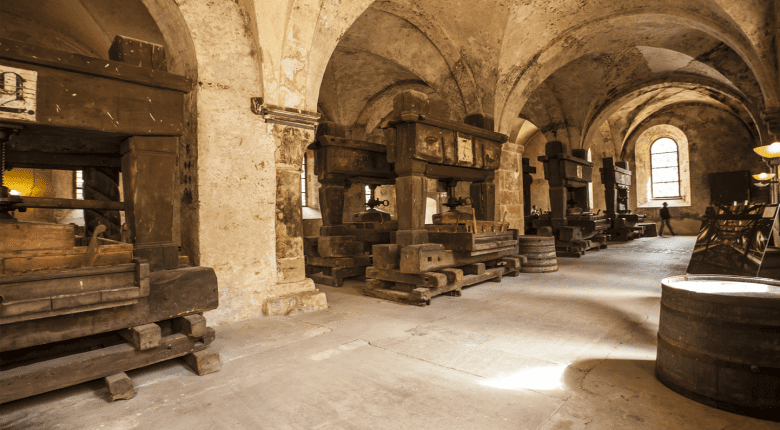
x,y
665,217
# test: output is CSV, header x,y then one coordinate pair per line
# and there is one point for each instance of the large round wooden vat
x,y
540,251
719,342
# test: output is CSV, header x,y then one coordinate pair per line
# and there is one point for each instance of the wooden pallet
x,y
577,249
418,289
333,271
36,370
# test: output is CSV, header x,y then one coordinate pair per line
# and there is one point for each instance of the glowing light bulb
x,y
764,176
15,193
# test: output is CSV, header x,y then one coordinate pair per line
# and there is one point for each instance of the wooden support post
x,y
120,386
143,337
204,362
191,325
483,197
332,208
411,192
148,164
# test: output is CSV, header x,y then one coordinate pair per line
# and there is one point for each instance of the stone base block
x,y
308,301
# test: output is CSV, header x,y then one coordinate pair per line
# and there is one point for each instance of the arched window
x,y
665,168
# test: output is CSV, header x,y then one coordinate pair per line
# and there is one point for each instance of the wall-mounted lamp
x,y
770,155
768,151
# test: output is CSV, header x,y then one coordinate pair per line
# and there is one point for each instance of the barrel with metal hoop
x,y
540,251
719,342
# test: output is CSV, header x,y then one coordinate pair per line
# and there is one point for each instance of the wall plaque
x,y
18,90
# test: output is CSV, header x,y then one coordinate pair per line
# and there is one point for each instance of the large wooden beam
x,y
74,100
39,55
52,203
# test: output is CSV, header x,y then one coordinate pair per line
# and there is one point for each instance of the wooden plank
x,y
325,140
21,236
143,337
339,246
59,161
344,262
9,320
53,203
427,279
44,288
114,106
172,293
438,171
74,257
429,258
120,386
487,275
42,377
76,273
396,296
39,55
454,126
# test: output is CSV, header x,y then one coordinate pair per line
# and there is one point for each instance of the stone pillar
x,y
509,186
294,292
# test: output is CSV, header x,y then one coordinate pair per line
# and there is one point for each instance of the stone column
x,y
293,131
509,186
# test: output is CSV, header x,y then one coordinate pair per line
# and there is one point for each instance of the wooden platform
x,y
31,371
418,289
577,249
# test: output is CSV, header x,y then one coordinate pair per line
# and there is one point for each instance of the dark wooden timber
x,y
52,203
26,381
39,55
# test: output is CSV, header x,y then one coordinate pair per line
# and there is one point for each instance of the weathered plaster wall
x,y
717,142
236,175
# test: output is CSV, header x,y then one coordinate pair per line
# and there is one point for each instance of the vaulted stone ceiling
x,y
569,67
82,26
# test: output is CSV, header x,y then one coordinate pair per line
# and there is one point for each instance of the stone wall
x,y
717,142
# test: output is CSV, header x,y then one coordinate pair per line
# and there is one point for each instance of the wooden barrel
x,y
719,342
540,251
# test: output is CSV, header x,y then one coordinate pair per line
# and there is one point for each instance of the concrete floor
x,y
568,350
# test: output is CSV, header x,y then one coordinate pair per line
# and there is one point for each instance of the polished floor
x,y
568,350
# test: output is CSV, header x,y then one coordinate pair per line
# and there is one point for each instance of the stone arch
x,y
599,114
522,80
